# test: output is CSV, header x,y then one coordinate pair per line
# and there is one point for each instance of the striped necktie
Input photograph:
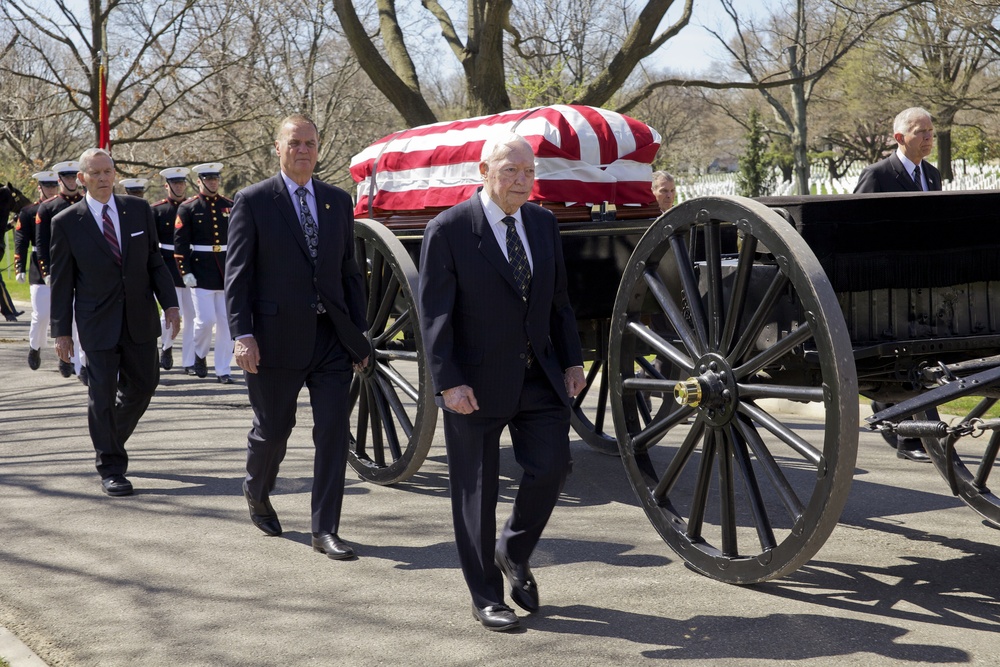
x,y
109,234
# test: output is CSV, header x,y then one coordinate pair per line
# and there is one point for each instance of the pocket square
x,y
137,233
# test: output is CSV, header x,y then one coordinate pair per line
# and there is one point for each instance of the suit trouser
x,y
187,327
539,431
7,308
111,417
209,312
273,396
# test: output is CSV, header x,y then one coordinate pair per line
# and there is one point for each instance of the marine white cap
x,y
47,177
134,183
207,169
70,166
175,172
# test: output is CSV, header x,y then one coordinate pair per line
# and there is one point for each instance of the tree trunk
x,y
483,60
800,128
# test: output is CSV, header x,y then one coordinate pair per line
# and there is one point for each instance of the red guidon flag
x,y
583,156
104,127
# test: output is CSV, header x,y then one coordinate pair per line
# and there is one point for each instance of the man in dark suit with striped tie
x,y
504,352
106,267
905,170
294,294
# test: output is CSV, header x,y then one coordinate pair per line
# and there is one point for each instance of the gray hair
x,y
661,176
498,145
90,153
907,118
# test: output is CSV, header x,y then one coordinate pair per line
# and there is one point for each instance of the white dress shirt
x,y
495,216
97,210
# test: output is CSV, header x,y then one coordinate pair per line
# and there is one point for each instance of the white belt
x,y
209,248
166,246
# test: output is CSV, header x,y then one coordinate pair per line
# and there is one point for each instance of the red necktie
x,y
109,234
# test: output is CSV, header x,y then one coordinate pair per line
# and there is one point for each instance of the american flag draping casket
x,y
584,156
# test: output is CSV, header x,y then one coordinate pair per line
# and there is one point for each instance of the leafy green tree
x,y
754,177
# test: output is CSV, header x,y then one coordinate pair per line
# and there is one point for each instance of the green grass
x,y
962,406
4,663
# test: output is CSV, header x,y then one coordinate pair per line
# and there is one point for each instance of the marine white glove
x,y
19,278
48,281
190,280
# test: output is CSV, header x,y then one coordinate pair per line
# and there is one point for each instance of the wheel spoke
x,y
673,312
661,347
602,403
738,299
754,391
378,322
727,494
713,267
398,380
377,422
402,419
761,521
363,416
986,465
678,462
398,325
689,283
782,487
374,285
760,318
595,368
702,486
794,338
783,433
650,435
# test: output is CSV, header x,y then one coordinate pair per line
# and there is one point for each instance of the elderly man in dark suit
x,y
504,352
294,293
106,266
905,170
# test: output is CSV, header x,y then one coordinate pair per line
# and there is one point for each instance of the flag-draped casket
x,y
584,156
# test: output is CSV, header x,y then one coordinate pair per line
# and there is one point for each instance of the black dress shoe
x,y
262,514
496,617
225,379
912,449
523,589
65,368
331,545
167,359
34,358
200,367
189,370
84,376
116,485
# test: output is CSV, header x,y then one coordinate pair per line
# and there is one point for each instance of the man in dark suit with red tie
x,y
905,170
106,266
295,297
504,352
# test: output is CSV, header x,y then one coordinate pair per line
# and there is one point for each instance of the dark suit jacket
x,y
472,315
889,175
106,294
271,282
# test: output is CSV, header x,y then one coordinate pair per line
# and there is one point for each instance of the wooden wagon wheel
x,y
593,400
731,481
392,405
966,463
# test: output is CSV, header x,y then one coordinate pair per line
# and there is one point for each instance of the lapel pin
x,y
327,206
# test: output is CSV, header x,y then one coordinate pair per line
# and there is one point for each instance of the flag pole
x,y
104,132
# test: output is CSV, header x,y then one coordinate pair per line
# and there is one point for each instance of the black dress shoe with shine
x,y
34,358
225,379
189,370
84,376
116,485
65,368
912,449
523,589
496,617
262,514
200,366
167,359
331,545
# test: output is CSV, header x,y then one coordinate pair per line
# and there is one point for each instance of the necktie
x,y
916,178
109,234
518,259
308,224
312,234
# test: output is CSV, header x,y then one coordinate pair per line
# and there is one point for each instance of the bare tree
x,y
480,51
800,47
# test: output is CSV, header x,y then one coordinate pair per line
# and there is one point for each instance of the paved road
x,y
177,575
